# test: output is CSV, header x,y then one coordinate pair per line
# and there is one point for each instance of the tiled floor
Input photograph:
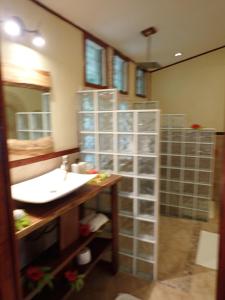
x,y
179,277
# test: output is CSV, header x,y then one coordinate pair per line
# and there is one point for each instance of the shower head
x,y
148,65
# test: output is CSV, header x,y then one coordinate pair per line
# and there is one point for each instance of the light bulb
x,y
38,41
13,26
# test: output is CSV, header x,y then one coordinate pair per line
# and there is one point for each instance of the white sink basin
x,y
48,187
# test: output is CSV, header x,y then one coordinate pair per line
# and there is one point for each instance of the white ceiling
x,y
187,26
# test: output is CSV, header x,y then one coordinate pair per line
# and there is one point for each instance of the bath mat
x,y
207,254
126,297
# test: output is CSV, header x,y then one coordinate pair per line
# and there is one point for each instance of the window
x,y
120,73
140,83
95,63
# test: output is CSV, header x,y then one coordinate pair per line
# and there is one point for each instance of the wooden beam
x,y
27,77
9,266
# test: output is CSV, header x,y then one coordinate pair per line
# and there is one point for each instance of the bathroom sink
x,y
49,187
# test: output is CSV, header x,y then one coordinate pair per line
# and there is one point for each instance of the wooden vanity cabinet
x,y
60,256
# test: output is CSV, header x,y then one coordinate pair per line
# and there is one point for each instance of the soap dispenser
x,y
64,165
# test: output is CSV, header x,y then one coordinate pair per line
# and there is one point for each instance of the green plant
x,y
22,222
76,281
38,277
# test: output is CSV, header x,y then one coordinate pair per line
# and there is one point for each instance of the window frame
x,y
101,44
126,60
145,83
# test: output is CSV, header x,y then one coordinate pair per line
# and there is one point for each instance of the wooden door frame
x,y
9,267
221,268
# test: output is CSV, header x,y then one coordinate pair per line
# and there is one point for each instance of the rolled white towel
x,y
88,218
126,297
96,222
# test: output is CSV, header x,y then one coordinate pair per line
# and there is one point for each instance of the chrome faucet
x,y
65,165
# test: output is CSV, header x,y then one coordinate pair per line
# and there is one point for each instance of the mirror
x,y
28,117
27,113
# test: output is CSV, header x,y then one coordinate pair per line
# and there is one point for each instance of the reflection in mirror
x,y
28,120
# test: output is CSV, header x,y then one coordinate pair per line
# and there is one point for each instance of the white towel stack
x,y
95,221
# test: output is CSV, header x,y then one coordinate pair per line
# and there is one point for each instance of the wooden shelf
x,y
98,247
57,260
62,254
61,288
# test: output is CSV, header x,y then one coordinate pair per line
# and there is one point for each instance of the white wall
x,y
62,57
195,87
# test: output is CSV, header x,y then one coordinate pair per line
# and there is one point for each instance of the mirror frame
x,y
34,159
13,75
25,77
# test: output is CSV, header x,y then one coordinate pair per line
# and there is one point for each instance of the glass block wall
x,y
34,125
187,164
123,104
126,142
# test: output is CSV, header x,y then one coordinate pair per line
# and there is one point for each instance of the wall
x,y
62,57
195,87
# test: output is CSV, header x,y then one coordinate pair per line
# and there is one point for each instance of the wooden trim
x,y
221,267
220,133
52,12
122,92
9,271
118,53
85,31
31,160
59,16
27,86
96,40
192,57
95,86
88,36
123,55
15,75
141,96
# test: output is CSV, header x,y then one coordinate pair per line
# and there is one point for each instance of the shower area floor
x,y
179,276
178,245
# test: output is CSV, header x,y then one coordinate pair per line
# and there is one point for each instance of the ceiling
x,y
188,26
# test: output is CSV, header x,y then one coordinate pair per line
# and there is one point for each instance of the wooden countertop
x,y
44,213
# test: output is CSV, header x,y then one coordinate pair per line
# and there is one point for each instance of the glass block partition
x,y
173,121
124,104
34,125
186,179
126,142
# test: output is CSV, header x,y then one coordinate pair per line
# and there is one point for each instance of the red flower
x,y
85,229
92,171
71,276
195,126
34,273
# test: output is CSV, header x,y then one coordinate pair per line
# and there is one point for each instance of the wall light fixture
x,y
14,27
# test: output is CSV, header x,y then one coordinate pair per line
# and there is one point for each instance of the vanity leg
x,y
115,246
68,228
